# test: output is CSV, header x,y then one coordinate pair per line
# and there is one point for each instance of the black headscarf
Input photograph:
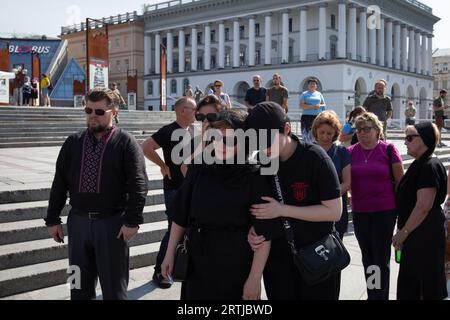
x,y
428,135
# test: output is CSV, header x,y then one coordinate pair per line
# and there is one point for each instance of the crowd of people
x,y
230,210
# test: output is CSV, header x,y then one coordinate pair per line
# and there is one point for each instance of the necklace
x,y
366,159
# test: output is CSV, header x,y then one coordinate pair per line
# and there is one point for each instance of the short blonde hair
x,y
370,117
330,118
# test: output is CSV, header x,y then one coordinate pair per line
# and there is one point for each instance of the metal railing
x,y
165,5
119,19
420,5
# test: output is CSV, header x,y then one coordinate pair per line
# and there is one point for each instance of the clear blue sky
x,y
47,17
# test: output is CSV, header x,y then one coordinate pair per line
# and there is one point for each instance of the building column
x,y
411,51
352,32
404,49
147,53
363,34
424,54
285,36
221,45
303,33
430,55
251,41
181,50
381,51
397,45
157,53
207,55
194,49
389,42
268,39
342,25
373,45
322,30
169,52
236,43
418,63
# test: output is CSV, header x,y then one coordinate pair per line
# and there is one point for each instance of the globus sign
x,y
15,49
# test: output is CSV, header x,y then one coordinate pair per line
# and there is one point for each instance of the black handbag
x,y
181,261
315,262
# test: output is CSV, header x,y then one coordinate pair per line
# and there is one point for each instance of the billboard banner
x,y
98,73
4,91
163,80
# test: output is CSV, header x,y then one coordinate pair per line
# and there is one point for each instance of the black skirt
x,y
422,267
219,264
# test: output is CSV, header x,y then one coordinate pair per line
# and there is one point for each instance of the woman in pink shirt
x,y
373,199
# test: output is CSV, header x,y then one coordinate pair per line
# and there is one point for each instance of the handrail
x,y
118,19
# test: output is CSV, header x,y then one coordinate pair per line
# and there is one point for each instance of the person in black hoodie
x,y
213,203
311,193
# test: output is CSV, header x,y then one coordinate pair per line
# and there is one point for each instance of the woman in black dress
x,y
214,202
421,235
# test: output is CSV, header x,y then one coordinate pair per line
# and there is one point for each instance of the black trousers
x,y
169,196
374,234
96,251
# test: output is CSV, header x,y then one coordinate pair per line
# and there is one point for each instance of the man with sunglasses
x,y
103,169
185,108
256,94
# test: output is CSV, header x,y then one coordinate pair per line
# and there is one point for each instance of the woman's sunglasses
x,y
411,137
98,112
210,117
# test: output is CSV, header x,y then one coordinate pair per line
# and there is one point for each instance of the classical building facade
x,y
441,70
126,49
347,45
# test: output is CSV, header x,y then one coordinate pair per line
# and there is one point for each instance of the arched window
x,y
185,84
173,86
150,88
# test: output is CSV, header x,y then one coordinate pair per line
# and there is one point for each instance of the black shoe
x,y
159,280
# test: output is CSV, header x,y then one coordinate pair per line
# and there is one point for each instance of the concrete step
x,y
34,229
61,132
47,274
42,192
44,250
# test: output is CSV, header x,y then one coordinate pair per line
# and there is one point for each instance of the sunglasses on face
x,y
411,137
210,117
365,129
98,112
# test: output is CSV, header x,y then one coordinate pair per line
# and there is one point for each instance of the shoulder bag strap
x,y
289,232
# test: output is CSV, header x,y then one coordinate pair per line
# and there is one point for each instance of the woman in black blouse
x,y
214,202
421,235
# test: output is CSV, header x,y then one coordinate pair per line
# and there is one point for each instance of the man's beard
x,y
98,128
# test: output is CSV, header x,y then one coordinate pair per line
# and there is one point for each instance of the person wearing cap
x,y
312,197
421,234
375,172
278,93
312,103
379,104
223,97
172,175
439,107
213,206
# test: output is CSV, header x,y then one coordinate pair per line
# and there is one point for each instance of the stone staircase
x,y
44,126
30,260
